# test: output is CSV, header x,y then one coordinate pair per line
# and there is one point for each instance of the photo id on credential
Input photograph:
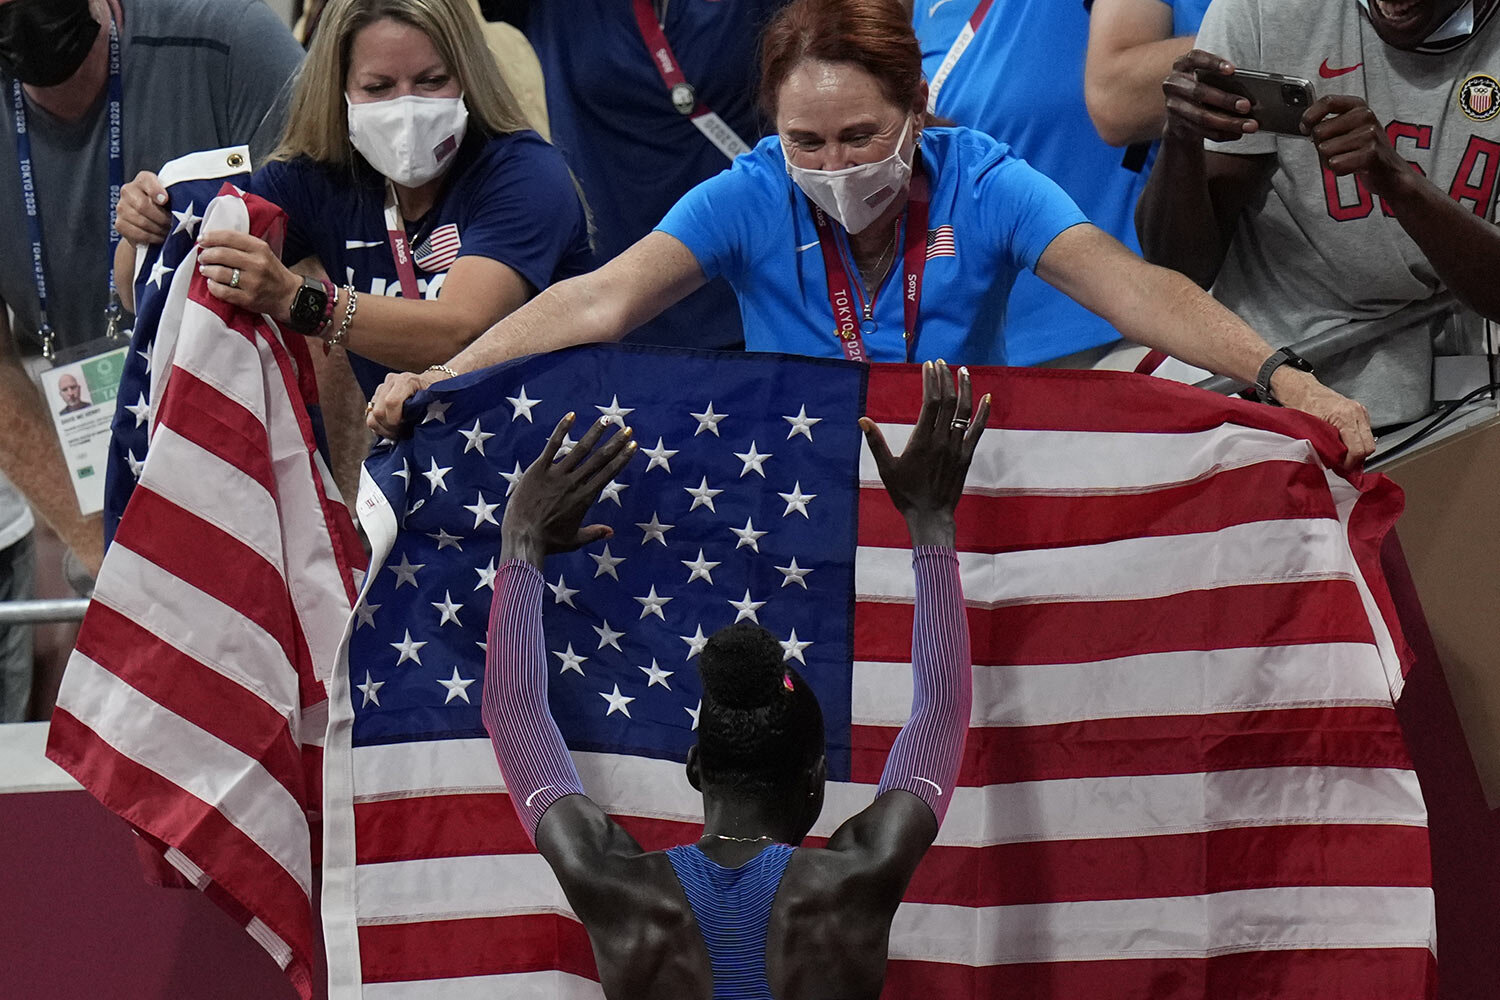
x,y
80,396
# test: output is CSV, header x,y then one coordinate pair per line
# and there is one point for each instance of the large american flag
x,y
1184,779
194,704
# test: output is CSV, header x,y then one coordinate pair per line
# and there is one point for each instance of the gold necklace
x,y
738,840
873,275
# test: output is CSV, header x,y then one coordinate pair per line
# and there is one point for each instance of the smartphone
x,y
1277,102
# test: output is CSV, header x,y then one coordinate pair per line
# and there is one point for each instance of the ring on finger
x,y
234,278
959,425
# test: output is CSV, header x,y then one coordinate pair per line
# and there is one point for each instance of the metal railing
x,y
63,609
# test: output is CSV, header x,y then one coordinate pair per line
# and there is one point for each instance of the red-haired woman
x,y
858,231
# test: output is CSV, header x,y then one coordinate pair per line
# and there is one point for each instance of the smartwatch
x,y
310,305
1285,356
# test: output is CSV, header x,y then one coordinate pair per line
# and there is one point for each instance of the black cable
x,y
1438,421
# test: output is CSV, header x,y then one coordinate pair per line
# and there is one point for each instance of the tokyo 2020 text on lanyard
x,y
684,98
114,312
852,312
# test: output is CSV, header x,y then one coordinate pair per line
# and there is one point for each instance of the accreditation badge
x,y
79,391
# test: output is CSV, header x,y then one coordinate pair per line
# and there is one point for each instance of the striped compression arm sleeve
x,y
530,748
925,757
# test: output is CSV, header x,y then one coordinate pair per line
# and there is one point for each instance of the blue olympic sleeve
x,y
1025,209
524,211
715,220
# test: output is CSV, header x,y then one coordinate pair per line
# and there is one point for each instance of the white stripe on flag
x,y
516,986
194,760
1167,927
485,885
1189,682
203,484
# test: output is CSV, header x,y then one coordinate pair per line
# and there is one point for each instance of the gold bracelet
x,y
441,368
351,303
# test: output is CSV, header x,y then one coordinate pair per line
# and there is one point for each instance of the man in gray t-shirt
x,y
196,74
1381,218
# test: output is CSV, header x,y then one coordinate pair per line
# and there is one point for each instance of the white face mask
x,y
856,195
409,139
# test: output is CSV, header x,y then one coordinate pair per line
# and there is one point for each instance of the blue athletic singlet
x,y
733,908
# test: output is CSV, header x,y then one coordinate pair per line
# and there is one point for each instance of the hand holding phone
x,y
1277,102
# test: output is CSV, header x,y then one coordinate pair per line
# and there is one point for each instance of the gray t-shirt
x,y
1315,254
198,74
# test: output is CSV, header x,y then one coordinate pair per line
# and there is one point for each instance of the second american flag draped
x,y
1185,777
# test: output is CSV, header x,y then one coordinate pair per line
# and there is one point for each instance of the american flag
x,y
1185,776
192,181
439,250
194,704
940,243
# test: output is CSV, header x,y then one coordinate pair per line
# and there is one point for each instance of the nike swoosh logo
x,y
807,246
934,784
360,244
933,9
536,793
1328,73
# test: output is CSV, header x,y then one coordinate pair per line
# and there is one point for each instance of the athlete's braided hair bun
x,y
760,724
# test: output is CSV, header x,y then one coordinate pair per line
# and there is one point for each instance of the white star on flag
x,y
612,491
747,608
754,461
656,675
406,571
693,712
445,540
512,478
654,529
695,642
701,568
136,465
405,474
702,495
482,511
608,636
748,536
660,456
792,648
474,438
614,413
801,424
794,574
617,702
448,609
187,222
521,406
651,604
796,500
457,686
570,661
568,444
708,420
370,689
158,272
606,563
486,575
435,476
561,593
141,410
408,649
366,615
437,411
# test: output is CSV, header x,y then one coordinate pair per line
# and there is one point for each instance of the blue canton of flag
x,y
740,505
191,181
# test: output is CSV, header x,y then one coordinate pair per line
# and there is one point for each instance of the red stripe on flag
x,y
1260,492
170,813
1273,614
190,690
480,946
1181,744
202,414
1315,974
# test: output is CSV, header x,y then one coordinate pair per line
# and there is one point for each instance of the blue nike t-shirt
x,y
509,198
754,227
635,154
1021,80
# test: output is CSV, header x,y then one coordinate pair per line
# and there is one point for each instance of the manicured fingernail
x,y
568,416
161,199
963,370
631,447
629,431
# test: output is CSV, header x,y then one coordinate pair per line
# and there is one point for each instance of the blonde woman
x,y
421,207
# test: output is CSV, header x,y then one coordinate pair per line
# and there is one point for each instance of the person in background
x,y
1014,69
1376,220
421,208
858,232
72,395
638,142
745,911
1132,46
58,62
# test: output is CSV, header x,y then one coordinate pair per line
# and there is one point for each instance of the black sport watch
x,y
309,306
1285,356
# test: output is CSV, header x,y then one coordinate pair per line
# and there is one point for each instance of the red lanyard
x,y
684,97
956,52
847,299
395,231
